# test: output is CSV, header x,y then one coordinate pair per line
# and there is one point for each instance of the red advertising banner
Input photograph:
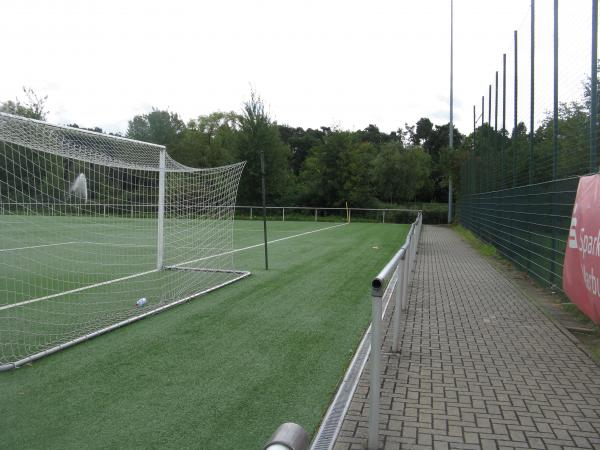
x,y
581,269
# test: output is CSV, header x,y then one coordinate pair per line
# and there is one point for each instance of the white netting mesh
x,y
80,247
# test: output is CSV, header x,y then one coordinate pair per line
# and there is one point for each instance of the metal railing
x,y
318,213
393,278
133,208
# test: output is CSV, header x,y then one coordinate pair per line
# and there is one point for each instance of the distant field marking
x,y
104,283
37,246
117,244
271,230
75,242
259,245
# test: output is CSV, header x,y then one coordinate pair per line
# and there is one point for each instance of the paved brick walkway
x,y
480,366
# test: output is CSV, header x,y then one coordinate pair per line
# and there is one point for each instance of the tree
x,y
34,107
416,168
211,124
258,133
373,135
424,129
300,142
386,169
337,171
159,127
209,141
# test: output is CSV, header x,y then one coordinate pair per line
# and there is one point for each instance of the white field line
x,y
116,244
259,245
37,246
135,275
111,244
72,291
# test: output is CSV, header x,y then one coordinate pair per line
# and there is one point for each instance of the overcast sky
x,y
315,63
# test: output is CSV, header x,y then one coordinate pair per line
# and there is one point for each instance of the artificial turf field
x,y
223,370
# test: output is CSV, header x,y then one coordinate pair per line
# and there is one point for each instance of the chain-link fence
x,y
534,134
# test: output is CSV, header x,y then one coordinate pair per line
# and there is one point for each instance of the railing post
x,y
412,251
283,214
399,301
315,215
375,373
405,270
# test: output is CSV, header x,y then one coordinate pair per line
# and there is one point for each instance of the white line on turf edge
x,y
83,288
37,246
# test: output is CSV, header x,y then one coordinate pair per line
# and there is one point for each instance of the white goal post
x,y
98,231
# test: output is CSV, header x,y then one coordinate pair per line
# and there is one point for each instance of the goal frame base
x,y
240,275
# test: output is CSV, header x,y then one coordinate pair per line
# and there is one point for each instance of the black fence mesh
x,y
519,178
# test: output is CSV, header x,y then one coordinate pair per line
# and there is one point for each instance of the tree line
x,y
304,167
308,167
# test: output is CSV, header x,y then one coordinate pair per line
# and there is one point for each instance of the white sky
x,y
315,63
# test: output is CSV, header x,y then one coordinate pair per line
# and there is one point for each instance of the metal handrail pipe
x,y
380,282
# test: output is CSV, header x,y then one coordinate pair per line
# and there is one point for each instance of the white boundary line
x,y
260,245
109,244
135,275
37,246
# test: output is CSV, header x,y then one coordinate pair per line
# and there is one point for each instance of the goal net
x,y
98,231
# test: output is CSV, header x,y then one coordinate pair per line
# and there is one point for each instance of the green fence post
x,y
503,120
532,96
594,91
513,144
554,143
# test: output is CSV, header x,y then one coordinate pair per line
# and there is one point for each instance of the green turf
x,y
222,371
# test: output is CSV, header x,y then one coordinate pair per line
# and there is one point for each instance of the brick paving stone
x,y
479,366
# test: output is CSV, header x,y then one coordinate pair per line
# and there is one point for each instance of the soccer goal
x,y
98,231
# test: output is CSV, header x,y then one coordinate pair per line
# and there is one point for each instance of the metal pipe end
x,y
377,284
289,436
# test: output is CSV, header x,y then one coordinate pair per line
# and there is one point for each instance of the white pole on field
x,y
161,209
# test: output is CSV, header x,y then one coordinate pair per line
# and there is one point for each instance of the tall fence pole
x,y
496,105
594,91
504,91
471,160
514,146
555,104
503,119
451,126
532,96
482,109
554,139
490,105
